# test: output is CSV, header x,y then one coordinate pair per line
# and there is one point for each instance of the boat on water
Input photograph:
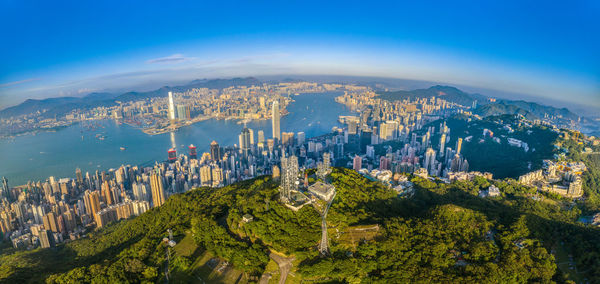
x,y
245,121
122,148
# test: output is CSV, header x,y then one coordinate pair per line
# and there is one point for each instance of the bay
x,y
36,157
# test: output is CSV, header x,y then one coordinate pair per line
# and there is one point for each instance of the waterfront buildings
x,y
171,107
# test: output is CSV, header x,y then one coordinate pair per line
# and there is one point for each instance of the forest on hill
x,y
443,233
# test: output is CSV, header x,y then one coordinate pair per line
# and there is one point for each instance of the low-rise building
x,y
322,190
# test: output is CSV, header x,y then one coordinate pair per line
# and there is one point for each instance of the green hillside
x,y
500,109
447,93
444,233
487,155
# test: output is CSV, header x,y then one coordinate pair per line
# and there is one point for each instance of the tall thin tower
x,y
275,120
171,107
442,144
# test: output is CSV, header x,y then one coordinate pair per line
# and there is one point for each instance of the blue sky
x,y
547,49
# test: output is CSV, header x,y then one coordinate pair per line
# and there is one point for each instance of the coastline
x,y
296,117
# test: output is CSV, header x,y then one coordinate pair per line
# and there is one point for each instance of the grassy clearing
x,y
205,267
567,265
354,234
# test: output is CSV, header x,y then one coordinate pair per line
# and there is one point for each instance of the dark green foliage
x,y
501,159
444,233
215,238
447,93
502,108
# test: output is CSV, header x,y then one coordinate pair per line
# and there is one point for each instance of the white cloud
x,y
18,82
171,59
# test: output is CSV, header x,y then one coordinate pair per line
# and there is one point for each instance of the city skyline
x,y
514,50
300,141
71,206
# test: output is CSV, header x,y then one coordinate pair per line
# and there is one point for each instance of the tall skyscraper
x,y
215,151
357,163
251,136
46,240
287,138
289,176
261,136
442,144
245,141
327,160
429,159
275,121
107,194
50,222
301,138
91,200
217,176
458,145
158,190
171,107
324,168
182,112
79,176
140,192
206,175
456,163
4,192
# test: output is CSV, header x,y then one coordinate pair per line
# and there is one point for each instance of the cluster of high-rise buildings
x,y
391,135
384,140
48,212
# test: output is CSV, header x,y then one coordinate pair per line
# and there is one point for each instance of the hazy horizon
x,y
392,83
100,46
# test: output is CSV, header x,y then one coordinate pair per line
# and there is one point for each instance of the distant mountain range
x,y
528,109
447,93
52,107
60,106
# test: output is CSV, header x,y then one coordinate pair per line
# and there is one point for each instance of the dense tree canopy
x,y
443,233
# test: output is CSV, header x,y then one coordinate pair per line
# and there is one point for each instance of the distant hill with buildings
x,y
59,106
490,151
447,93
501,108
485,106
